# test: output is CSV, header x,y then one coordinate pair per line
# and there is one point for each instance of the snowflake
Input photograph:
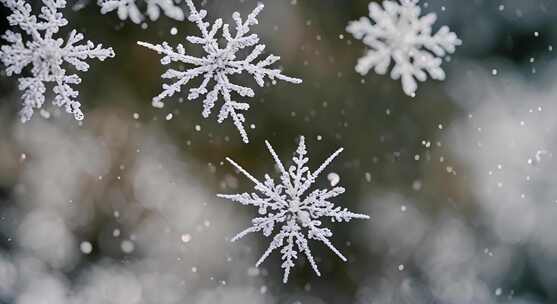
x,y
398,32
287,204
128,9
46,55
218,65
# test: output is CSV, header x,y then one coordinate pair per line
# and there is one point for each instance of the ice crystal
x,y
397,31
129,9
45,55
218,65
298,214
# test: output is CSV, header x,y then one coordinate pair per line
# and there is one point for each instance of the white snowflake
x,y
399,32
46,55
129,9
218,65
288,205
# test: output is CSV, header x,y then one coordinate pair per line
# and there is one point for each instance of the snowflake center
x,y
221,58
294,206
404,37
50,55
301,216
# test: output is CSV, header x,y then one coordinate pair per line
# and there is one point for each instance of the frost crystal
x,y
287,204
398,32
218,65
129,9
46,55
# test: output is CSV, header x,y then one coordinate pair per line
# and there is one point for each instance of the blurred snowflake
x,y
293,210
129,9
46,55
398,32
218,65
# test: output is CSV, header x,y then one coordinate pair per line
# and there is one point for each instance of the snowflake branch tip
x,y
287,207
219,63
130,9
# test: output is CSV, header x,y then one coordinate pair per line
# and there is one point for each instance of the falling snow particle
x,y
417,185
186,238
333,178
86,247
127,246
368,177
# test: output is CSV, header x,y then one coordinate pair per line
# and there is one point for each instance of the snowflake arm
x,y
284,204
46,56
129,9
269,189
396,33
217,66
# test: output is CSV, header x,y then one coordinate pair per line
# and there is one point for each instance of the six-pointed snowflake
x,y
399,32
129,9
46,55
288,205
218,65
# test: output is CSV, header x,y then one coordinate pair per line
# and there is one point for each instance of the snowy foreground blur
x,y
168,241
503,145
110,213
